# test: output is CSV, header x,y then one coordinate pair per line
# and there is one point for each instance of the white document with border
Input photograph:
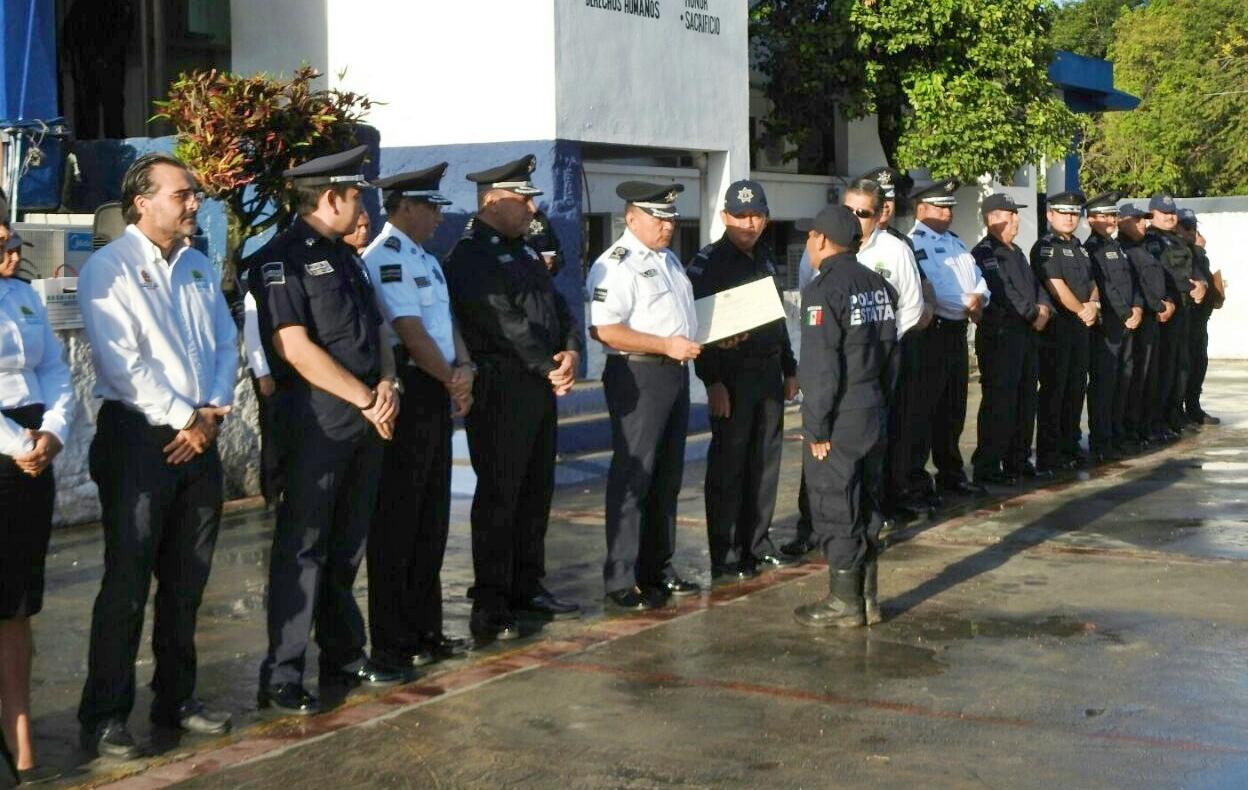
x,y
737,310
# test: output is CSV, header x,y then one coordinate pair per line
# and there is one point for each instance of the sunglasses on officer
x,y
863,213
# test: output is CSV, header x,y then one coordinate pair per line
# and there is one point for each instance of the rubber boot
x,y
842,608
871,588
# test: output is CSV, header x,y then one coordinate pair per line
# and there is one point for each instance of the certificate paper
x,y
737,310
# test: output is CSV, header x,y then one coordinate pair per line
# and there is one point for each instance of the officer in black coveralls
x,y
746,387
335,403
1199,331
1063,266
1174,366
1109,374
848,370
527,349
1007,342
1143,417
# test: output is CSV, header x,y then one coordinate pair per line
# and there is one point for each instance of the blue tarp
x,y
28,89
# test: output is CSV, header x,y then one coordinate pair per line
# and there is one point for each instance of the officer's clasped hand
x,y
681,348
196,437
46,447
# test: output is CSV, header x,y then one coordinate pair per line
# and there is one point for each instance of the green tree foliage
x,y
958,86
238,133
1187,60
1086,27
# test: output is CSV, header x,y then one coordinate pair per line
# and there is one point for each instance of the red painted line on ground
x,y
904,708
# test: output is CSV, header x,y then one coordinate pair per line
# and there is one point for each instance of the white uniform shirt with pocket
x,y
646,289
409,282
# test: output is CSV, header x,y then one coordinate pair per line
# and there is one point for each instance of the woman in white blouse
x,y
36,401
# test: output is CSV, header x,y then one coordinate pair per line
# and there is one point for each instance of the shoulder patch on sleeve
x,y
920,254
600,294
274,273
392,243
618,254
392,272
1046,251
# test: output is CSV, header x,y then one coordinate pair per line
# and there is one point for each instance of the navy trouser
x,y
844,488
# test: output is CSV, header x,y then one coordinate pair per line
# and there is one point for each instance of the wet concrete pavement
x,y
1088,634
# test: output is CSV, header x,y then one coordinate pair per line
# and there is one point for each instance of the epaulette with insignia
x,y
392,243
618,254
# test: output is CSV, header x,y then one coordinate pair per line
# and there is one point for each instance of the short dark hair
x,y
392,200
306,197
872,189
138,181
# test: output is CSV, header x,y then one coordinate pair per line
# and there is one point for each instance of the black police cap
x,y
1131,211
1187,218
513,176
1163,202
1000,202
346,167
14,242
745,195
420,185
1070,202
838,223
889,180
938,194
1104,203
657,200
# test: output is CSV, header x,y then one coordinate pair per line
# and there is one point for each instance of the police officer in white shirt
x,y
407,539
163,345
642,312
36,401
961,295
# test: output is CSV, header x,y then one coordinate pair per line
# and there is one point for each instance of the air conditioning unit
x,y
54,251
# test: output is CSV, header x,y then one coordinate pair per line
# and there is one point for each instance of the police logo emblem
x,y
650,273
318,268
950,186
309,242
392,273
670,197
198,278
744,195
423,282
814,315
274,273
884,179
618,254
28,315
536,227
145,279
884,271
392,243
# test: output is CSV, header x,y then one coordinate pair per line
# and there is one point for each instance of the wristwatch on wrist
x,y
397,383
470,365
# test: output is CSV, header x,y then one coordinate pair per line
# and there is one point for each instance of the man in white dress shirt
x,y
642,312
163,346
961,295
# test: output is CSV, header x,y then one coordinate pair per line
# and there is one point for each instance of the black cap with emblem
x,y
514,176
1187,218
889,180
1131,211
938,194
838,223
1104,203
1067,202
419,185
1163,202
345,168
1000,202
745,196
657,200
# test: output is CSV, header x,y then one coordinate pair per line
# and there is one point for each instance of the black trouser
x,y
844,488
407,539
942,411
648,400
1198,335
1143,409
1007,361
1063,382
8,768
743,464
1174,368
270,462
158,519
331,458
511,439
25,526
1109,383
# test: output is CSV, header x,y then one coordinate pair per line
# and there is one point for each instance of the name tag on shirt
x,y
650,273
423,282
274,273
319,268
1068,252
940,249
1113,256
145,279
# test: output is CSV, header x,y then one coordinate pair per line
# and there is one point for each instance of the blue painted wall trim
x,y
28,86
1087,84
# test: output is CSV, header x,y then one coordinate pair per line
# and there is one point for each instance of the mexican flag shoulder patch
x,y
814,315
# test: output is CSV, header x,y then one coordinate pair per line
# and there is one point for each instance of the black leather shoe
x,y
674,585
436,646
798,547
733,573
111,739
489,624
548,607
39,775
776,561
628,601
963,487
995,477
373,675
289,698
1204,418
193,716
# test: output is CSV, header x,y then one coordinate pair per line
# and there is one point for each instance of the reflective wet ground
x,y
1088,634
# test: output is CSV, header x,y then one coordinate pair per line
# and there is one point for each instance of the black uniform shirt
x,y
1055,258
1016,293
849,333
1115,278
302,278
717,267
1176,257
1154,282
890,230
505,304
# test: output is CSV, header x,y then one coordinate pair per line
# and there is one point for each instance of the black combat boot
x,y
843,606
871,588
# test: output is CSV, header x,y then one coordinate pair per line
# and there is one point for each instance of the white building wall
x,y
1222,221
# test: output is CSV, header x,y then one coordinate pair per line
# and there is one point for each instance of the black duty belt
x,y
650,359
948,323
